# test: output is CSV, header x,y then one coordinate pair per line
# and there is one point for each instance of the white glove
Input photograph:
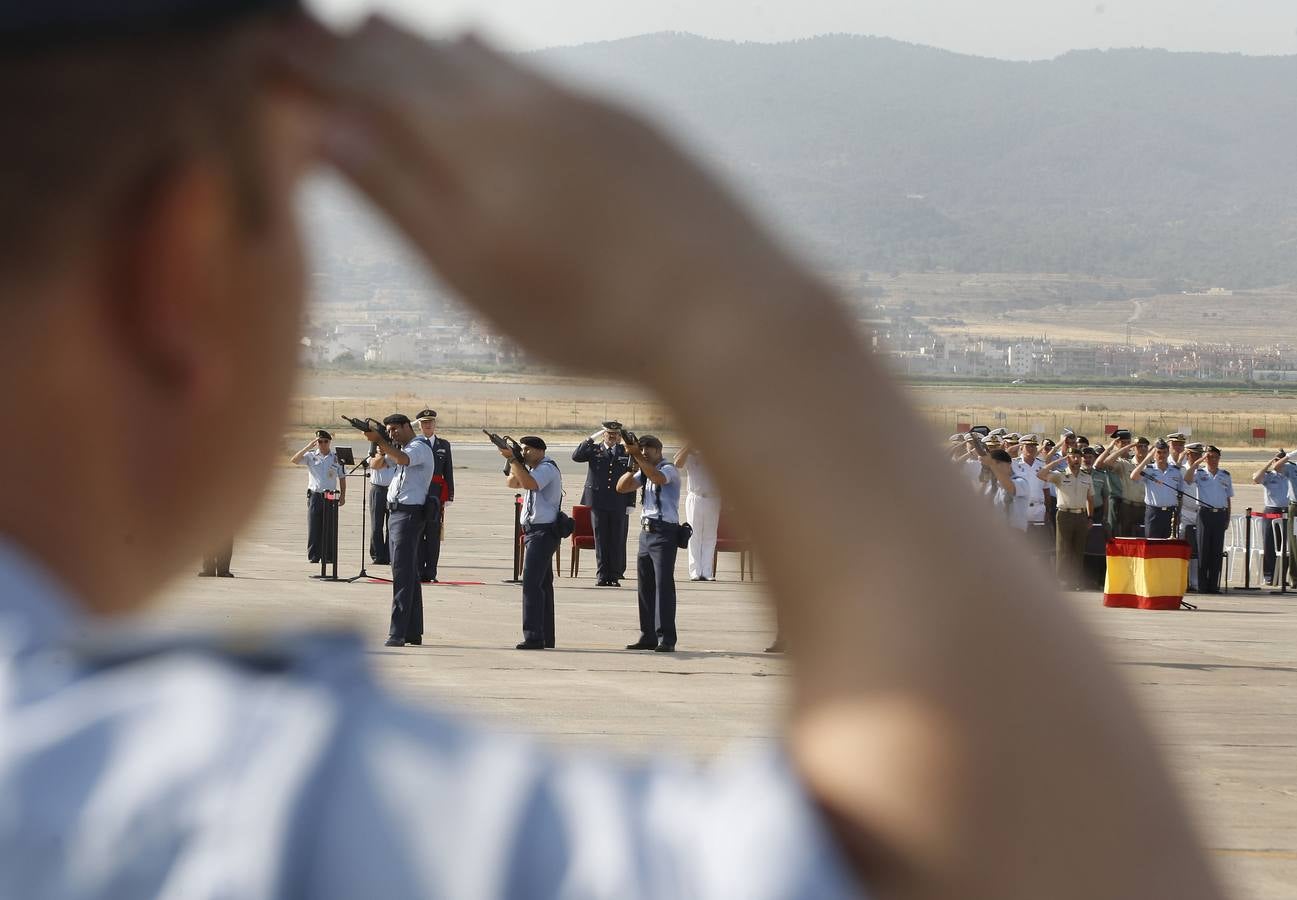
x,y
598,435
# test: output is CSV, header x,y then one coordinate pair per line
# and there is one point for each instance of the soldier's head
x,y
1075,458
149,264
1213,458
652,448
1161,452
1029,446
399,429
1088,456
323,441
427,422
533,450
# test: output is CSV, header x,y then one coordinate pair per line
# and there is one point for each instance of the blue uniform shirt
x,y
1160,487
411,482
383,477
322,472
541,507
1275,486
662,503
1213,490
182,768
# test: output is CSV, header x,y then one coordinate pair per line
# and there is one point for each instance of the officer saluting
x,y
406,499
539,477
324,476
443,492
1214,489
656,562
1163,483
607,460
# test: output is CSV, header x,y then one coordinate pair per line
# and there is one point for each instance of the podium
x,y
1146,574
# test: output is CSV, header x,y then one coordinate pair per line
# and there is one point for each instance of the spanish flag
x,y
1144,574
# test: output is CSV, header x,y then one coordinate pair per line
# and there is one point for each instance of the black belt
x,y
538,526
405,507
1163,508
656,525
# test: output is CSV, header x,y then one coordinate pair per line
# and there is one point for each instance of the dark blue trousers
x,y
1211,548
1157,522
656,569
378,536
403,530
538,585
430,540
610,542
317,543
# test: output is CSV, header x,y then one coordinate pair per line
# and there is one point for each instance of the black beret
x,y
397,419
983,430
1121,434
323,435
532,441
426,414
55,21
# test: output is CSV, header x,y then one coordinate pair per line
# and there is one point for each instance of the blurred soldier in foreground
x,y
947,734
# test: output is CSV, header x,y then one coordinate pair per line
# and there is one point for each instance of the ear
x,y
168,278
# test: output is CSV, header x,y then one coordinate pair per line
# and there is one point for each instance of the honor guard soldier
x,y
380,478
606,461
443,492
407,499
324,480
658,543
538,476
1273,478
1075,489
1163,483
702,512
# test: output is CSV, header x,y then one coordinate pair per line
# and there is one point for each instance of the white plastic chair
x,y
1236,547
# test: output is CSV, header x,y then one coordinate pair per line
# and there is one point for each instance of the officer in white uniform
x,y
324,480
406,514
702,512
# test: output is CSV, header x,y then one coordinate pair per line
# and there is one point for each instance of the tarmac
x,y
1217,685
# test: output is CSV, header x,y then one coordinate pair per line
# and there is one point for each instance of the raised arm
x,y
296,458
948,743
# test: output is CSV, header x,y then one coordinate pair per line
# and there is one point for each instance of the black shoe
x,y
224,574
315,561
602,583
665,648
206,574
416,641
394,642
531,645
614,584
643,644
776,647
549,645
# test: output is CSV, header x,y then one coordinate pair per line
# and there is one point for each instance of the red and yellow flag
x,y
1144,574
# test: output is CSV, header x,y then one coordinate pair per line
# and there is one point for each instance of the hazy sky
x,y
1009,29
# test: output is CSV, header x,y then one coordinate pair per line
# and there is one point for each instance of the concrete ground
x,y
1217,684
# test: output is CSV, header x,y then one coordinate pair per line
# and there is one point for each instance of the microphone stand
x,y
364,502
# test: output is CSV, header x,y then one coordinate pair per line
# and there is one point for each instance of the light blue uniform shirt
x,y
541,507
383,477
662,503
322,472
184,769
1213,490
410,484
1160,487
1275,487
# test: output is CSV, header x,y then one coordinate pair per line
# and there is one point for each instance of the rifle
x,y
506,443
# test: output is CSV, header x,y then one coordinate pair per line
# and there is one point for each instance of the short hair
x,y
1001,456
397,419
649,440
92,126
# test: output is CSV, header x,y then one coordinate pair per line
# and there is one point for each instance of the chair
x,y
1236,545
728,542
582,536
